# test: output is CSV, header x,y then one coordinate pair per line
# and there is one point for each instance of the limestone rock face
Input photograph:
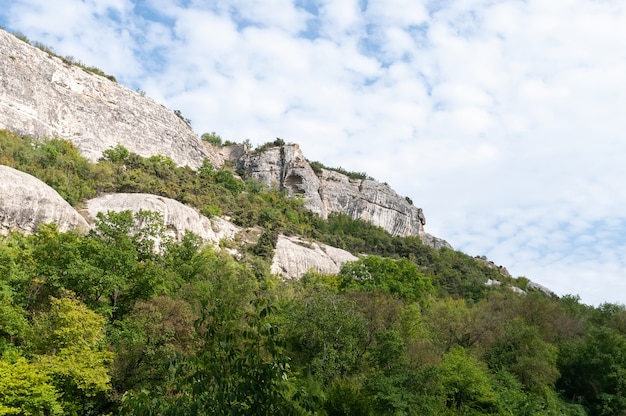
x,y
285,167
328,192
177,217
26,202
293,257
42,96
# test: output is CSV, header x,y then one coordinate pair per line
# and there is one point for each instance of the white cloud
x,y
503,120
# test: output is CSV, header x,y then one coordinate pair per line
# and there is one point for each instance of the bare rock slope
x,y
26,202
177,218
293,257
42,96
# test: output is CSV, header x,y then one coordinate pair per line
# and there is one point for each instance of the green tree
x,y
466,384
593,371
68,345
155,333
327,334
521,351
212,138
399,277
345,397
240,372
25,389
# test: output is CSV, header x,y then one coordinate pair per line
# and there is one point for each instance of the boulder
x,y
293,257
177,218
26,202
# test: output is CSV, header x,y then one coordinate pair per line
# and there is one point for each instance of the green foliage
x,y
466,384
156,331
460,275
276,143
25,389
319,166
212,138
68,344
243,371
265,245
407,392
55,162
521,351
327,335
346,398
400,277
593,371
124,318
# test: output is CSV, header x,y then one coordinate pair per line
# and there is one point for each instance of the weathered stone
x,y
42,96
178,218
26,202
434,242
541,288
293,257
329,192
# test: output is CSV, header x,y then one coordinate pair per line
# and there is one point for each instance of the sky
x,y
503,119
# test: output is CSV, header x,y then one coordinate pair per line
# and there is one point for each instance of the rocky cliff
x,y
327,191
26,202
42,96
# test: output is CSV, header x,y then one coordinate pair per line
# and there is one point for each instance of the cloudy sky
x,y
505,120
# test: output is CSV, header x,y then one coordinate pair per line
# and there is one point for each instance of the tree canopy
x,y
109,322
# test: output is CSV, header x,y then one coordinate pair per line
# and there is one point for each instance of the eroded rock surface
x,y
42,96
293,257
327,191
26,202
178,218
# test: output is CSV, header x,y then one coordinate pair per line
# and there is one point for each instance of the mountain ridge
x,y
45,96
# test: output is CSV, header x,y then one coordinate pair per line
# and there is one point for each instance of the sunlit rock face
x,y
293,257
326,191
42,96
26,202
177,218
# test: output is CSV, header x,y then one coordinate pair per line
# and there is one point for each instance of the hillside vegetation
x,y
103,324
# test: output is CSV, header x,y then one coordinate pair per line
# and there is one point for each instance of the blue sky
x,y
502,119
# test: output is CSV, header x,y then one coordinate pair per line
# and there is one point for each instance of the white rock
x,y
293,257
329,192
26,202
177,217
42,96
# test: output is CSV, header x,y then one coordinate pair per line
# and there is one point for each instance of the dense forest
x,y
106,323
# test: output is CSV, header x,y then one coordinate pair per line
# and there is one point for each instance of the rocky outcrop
x,y
42,96
541,288
286,168
178,218
293,257
26,202
327,191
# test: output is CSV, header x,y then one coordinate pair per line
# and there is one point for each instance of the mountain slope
x,y
43,96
